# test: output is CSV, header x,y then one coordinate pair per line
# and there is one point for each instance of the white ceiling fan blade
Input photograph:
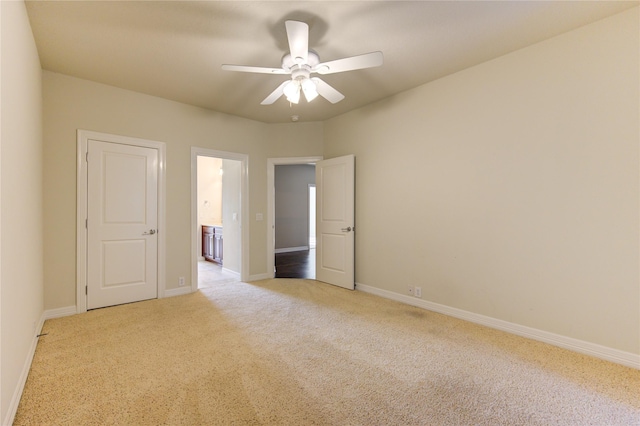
x,y
368,60
327,92
274,95
298,36
261,70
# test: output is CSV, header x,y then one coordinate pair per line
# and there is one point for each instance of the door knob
x,y
347,229
151,232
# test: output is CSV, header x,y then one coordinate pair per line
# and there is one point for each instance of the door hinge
x,y
86,290
86,224
86,157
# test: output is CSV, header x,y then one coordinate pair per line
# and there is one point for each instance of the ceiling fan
x,y
301,62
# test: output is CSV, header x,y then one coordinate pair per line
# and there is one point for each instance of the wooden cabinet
x,y
212,247
207,242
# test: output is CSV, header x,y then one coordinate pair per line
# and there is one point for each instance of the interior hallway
x,y
210,274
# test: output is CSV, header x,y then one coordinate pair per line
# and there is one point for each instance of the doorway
x,y
219,192
294,255
290,252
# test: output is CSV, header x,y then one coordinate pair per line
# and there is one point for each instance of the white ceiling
x,y
174,49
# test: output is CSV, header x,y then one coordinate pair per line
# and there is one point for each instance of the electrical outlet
x,y
411,290
418,292
181,281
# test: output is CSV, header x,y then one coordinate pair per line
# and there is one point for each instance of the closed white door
x,y
122,238
335,218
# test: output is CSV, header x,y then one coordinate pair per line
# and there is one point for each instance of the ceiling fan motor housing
x,y
301,73
290,64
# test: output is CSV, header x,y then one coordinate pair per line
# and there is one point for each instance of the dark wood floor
x,y
296,264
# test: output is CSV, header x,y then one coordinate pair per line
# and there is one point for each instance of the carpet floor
x,y
300,352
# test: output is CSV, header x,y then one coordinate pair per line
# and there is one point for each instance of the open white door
x,y
335,221
122,212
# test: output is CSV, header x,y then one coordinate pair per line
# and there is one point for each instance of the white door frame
x,y
311,212
244,209
83,137
271,202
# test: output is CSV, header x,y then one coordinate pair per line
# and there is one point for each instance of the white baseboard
x,y
229,271
609,354
22,380
259,277
60,312
177,291
291,249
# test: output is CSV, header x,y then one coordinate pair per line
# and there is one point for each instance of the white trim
x,y
291,249
592,349
172,292
244,209
311,212
59,312
258,277
83,137
81,215
271,208
22,380
230,272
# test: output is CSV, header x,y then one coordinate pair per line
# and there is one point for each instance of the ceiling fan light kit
x,y
301,62
300,81
309,89
292,91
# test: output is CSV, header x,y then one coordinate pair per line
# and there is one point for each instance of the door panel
x,y
334,252
122,210
335,187
124,180
126,261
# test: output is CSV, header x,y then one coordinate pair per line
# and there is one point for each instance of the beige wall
x,y
209,191
21,282
71,103
510,189
209,187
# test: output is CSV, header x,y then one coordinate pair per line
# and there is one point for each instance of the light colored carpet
x,y
297,352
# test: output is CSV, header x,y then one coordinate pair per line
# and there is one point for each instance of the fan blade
x,y
261,70
327,92
368,60
298,36
274,95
